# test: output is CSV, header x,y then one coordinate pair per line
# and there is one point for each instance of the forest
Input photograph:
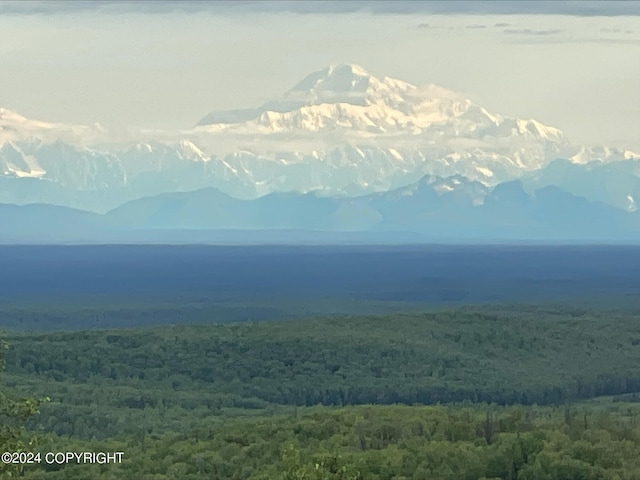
x,y
509,392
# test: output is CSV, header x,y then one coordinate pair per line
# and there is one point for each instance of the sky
x,y
164,65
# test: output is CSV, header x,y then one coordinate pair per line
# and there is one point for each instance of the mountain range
x,y
341,151
432,209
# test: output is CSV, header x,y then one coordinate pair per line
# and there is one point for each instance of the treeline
x,y
105,383
380,443
122,312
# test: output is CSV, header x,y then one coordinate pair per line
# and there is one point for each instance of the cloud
x,y
528,31
555,7
557,36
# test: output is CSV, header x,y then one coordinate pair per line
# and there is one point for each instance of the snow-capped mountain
x,y
340,131
394,127
613,183
17,128
347,98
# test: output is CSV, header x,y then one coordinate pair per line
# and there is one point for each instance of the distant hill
x,y
432,209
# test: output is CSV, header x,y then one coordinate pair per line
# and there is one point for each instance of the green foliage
x,y
381,443
245,401
13,417
320,467
104,383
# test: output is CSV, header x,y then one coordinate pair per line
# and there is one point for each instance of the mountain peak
x,y
337,78
354,69
342,70
333,84
347,84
